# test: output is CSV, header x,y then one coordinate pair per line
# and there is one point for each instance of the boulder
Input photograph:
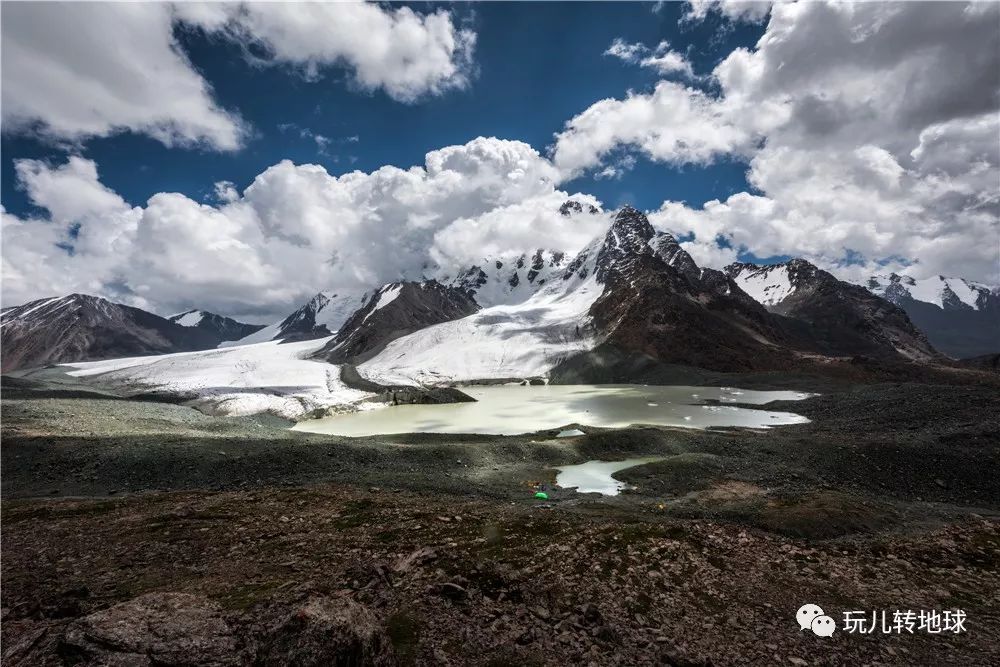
x,y
152,629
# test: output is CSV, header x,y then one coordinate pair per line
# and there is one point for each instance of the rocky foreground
x,y
215,541
351,576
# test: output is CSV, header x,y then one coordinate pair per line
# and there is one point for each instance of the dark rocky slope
x,y
657,302
838,318
79,327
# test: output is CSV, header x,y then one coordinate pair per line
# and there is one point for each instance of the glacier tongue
x,y
510,341
242,380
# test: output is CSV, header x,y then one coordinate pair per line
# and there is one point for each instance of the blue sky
x,y
537,65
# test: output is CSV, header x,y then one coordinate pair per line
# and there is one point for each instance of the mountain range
x,y
961,317
632,292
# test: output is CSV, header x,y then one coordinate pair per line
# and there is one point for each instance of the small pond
x,y
596,476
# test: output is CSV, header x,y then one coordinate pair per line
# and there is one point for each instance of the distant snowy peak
x,y
844,318
961,318
510,278
223,328
321,316
945,293
572,206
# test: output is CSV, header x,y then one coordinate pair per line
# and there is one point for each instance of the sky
x,y
241,157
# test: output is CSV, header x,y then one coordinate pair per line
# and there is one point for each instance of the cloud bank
x,y
870,129
66,76
294,230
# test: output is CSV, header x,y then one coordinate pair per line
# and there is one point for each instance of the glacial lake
x,y
596,476
513,409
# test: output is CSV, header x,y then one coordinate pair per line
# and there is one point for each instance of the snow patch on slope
x,y
189,319
15,313
248,379
768,285
341,305
963,290
386,296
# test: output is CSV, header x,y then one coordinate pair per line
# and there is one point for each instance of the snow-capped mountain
x,y
961,317
514,277
321,316
659,304
631,288
222,328
945,293
842,318
637,291
391,312
632,296
81,327
510,278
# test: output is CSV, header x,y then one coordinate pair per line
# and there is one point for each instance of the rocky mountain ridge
x,y
80,327
839,317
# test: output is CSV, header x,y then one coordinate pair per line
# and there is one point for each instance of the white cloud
x,y
622,50
519,228
82,214
73,71
870,129
663,59
77,70
748,11
294,230
225,191
404,53
674,123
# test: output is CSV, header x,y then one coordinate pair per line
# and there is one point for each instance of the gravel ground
x,y
887,499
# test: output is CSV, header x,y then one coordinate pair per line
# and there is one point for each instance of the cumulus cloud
x,y
674,123
747,11
519,228
662,58
65,76
293,231
404,53
870,131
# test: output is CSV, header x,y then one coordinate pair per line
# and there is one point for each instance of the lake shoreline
x,y
516,409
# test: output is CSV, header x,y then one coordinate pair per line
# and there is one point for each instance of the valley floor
x,y
433,549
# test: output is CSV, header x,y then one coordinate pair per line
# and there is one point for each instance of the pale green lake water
x,y
513,409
